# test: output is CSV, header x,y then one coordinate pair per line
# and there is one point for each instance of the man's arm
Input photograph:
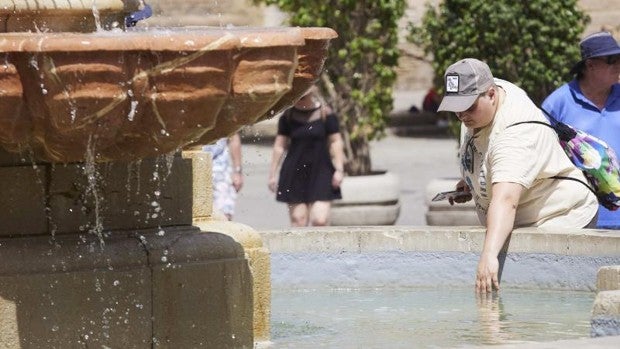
x,y
500,221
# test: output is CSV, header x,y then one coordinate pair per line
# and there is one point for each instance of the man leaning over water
x,y
508,169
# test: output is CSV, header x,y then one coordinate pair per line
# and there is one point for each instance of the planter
x,y
368,200
441,212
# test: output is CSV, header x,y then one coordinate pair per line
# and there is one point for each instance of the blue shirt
x,y
569,105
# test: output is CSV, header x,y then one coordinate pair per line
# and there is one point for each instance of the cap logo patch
x,y
452,83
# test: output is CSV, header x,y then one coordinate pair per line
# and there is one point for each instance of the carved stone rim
x,y
164,39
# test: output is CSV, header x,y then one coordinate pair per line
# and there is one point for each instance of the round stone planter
x,y
441,212
368,200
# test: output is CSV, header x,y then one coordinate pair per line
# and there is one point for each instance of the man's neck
x,y
595,92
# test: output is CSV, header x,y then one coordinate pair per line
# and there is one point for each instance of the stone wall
x,y
206,12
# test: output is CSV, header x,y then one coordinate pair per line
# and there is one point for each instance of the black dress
x,y
307,170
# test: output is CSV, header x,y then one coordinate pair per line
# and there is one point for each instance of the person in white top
x,y
508,168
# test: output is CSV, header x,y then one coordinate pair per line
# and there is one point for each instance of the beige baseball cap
x,y
464,81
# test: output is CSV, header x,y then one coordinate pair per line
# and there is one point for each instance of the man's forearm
x,y
501,216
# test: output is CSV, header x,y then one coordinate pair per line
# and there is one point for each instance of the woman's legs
x,y
298,214
316,213
320,213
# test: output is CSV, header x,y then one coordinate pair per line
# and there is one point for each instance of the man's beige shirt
x,y
527,154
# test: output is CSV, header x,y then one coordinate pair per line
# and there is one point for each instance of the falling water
x,y
96,16
133,173
39,178
90,171
155,206
169,158
133,105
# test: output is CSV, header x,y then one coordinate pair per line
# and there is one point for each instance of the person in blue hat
x,y
591,101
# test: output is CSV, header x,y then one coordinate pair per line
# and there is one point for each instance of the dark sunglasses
x,y
611,60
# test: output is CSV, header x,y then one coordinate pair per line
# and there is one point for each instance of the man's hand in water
x,y
487,274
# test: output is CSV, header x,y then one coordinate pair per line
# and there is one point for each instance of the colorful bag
x,y
593,156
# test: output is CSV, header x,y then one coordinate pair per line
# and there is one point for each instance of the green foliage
x,y
360,64
530,43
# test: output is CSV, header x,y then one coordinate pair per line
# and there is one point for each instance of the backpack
x,y
593,156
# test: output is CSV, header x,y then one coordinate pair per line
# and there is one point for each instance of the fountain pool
x,y
425,317
404,287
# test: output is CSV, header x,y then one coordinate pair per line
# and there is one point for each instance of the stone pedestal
x,y
252,243
106,256
606,309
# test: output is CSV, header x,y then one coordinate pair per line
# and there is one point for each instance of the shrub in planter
x,y
530,43
357,83
360,68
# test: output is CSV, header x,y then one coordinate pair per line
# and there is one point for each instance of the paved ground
x,y
416,159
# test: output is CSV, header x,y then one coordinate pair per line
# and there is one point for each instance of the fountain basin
x,y
130,95
382,272
64,15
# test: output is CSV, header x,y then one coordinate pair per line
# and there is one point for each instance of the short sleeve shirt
x,y
529,155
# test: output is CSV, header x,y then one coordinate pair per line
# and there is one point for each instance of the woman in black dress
x,y
312,171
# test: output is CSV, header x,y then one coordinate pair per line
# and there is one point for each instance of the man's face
x,y
481,113
606,69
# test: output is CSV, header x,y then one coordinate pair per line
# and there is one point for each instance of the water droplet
x,y
116,282
161,232
164,259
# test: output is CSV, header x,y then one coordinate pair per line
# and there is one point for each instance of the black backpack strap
x,y
531,122
577,180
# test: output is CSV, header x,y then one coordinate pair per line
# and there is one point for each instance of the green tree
x,y
531,43
359,71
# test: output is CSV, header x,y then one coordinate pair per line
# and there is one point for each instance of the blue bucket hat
x,y
599,44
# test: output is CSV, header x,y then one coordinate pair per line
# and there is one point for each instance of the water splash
x,y
40,175
155,207
169,159
92,176
133,104
96,16
133,174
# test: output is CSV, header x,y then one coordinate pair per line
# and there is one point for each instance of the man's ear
x,y
492,92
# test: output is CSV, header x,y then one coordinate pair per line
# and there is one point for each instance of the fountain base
x,y
153,279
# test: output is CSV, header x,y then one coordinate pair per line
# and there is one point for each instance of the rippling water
x,y
425,318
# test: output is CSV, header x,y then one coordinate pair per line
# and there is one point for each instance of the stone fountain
x,y
105,229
